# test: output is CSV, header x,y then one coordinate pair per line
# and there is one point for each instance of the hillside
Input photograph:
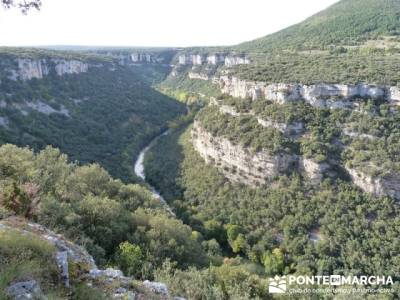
x,y
275,157
292,159
89,106
346,23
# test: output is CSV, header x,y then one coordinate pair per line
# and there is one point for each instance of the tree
x,y
23,5
130,258
274,262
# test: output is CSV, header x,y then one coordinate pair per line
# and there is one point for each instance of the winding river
x,y
140,171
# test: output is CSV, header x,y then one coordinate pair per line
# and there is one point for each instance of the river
x,y
140,171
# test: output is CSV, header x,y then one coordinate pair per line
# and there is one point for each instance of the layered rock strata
x,y
318,95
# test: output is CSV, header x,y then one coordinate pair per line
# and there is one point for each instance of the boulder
x,y
25,290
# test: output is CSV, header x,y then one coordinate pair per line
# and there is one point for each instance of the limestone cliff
x,y
196,75
70,67
237,163
386,185
291,129
228,60
318,95
313,171
38,68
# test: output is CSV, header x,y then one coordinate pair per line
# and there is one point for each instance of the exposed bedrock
x,y
242,165
38,68
319,95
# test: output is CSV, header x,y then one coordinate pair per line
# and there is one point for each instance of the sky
x,y
178,23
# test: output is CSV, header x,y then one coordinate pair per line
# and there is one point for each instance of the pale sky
x,y
152,22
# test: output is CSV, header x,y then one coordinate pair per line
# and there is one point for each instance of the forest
x,y
108,114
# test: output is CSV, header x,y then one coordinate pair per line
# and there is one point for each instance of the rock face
x,y
237,163
70,67
294,128
47,109
241,165
62,262
394,95
111,280
234,60
38,68
141,57
26,290
319,95
157,287
201,76
314,171
388,185
28,69
213,59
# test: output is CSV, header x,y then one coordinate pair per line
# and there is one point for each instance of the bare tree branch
x,y
23,5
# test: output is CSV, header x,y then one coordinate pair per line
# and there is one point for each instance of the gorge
x,y
200,173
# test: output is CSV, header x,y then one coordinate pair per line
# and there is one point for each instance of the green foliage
x,y
90,207
245,131
130,258
225,282
112,111
84,292
13,198
348,22
283,215
353,67
24,256
274,262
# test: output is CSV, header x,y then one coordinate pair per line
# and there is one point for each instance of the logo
x,y
283,284
277,285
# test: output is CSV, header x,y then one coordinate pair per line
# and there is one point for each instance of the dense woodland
x,y
111,114
272,226
225,239
372,66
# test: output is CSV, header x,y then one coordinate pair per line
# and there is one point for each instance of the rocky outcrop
x,y
312,170
29,69
237,163
230,110
63,67
47,109
157,287
233,60
68,253
354,134
387,185
25,290
145,57
191,59
318,95
291,129
195,75
394,95
213,59
38,68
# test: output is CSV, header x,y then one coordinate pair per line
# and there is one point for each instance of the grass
x,y
23,257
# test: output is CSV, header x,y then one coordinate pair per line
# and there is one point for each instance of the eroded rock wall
x,y
237,163
319,95
28,69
